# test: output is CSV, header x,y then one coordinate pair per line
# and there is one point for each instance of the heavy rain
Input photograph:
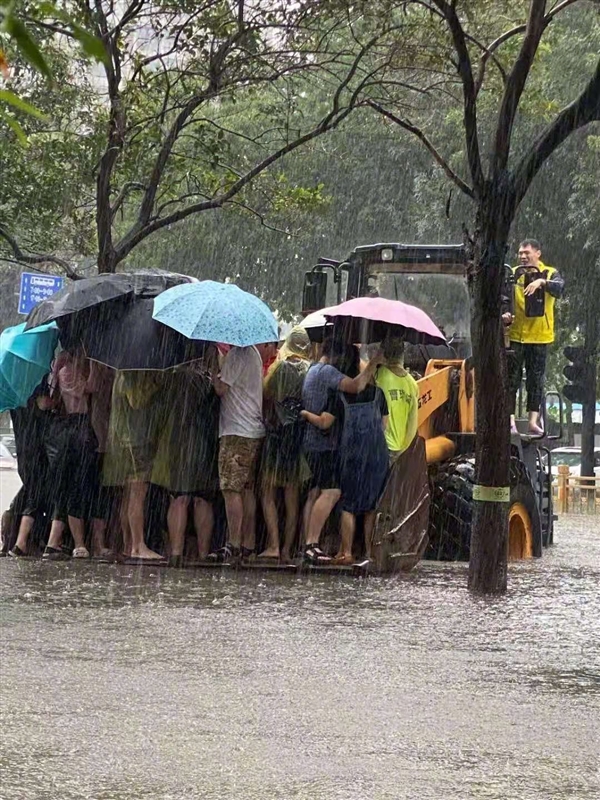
x,y
299,399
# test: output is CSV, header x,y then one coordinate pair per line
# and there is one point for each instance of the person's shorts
x,y
238,462
325,468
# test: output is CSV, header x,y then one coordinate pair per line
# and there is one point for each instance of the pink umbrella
x,y
369,319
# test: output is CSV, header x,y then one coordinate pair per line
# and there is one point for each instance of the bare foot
x,y
269,553
343,559
285,556
145,552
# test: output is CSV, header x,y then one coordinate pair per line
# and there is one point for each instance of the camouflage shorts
x,y
238,462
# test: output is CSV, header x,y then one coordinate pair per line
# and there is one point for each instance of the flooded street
x,y
122,684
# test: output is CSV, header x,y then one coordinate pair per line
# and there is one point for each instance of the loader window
x,y
444,297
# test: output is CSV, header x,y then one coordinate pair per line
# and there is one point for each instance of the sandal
x,y
224,554
16,552
55,554
315,556
105,556
343,561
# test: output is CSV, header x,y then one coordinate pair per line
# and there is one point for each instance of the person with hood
x,y
283,464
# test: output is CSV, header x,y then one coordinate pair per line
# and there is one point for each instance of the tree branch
x,y
121,197
438,158
45,258
515,84
582,111
135,236
465,70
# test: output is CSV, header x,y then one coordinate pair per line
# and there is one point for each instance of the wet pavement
x,y
122,683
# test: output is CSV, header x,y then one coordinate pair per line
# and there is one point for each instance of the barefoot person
x,y
283,465
241,434
187,456
532,329
135,420
320,446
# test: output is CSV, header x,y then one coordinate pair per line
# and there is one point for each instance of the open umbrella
x,y
315,325
25,357
89,293
132,340
217,312
370,319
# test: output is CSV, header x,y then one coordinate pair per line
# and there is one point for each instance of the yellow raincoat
x,y
535,330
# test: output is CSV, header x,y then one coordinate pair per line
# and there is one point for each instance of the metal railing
x,y
573,494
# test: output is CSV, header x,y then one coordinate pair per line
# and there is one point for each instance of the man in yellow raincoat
x,y
531,328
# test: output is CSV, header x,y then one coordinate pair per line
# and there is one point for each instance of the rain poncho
x,y
282,461
187,455
137,414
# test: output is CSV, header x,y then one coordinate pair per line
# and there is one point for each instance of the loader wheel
x,y
524,521
451,512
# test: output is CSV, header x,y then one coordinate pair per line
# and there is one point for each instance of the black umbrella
x,y
132,340
89,293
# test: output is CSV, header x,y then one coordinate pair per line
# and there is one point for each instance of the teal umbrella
x,y
25,357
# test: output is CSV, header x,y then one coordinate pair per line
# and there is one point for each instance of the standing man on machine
x,y
536,287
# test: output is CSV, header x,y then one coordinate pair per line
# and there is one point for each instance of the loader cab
x,y
432,277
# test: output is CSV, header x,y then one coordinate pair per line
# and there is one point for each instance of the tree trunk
x,y
489,533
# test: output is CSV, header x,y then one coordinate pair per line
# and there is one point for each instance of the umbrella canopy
x,y
217,312
370,319
314,324
91,292
135,341
25,357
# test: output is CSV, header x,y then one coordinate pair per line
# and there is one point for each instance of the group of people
x,y
269,423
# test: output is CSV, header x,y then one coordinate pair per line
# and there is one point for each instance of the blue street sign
x,y
35,288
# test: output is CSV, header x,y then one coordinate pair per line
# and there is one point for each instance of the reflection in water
x,y
127,684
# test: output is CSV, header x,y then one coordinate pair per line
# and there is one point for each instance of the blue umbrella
x,y
216,312
25,357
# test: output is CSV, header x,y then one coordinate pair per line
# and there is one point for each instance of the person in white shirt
x,y
241,434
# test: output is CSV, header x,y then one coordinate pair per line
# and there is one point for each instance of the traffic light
x,y
581,374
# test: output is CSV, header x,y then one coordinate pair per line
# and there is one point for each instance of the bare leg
x,y
124,520
99,536
234,508
306,513
77,528
135,515
176,523
322,508
204,521
269,506
292,506
348,528
25,527
249,523
534,423
369,528
56,534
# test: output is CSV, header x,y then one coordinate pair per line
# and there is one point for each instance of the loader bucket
x,y
401,529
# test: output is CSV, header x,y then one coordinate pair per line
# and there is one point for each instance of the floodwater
x,y
126,684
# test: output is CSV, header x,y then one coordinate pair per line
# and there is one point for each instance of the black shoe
x,y
16,552
224,555
55,554
314,556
